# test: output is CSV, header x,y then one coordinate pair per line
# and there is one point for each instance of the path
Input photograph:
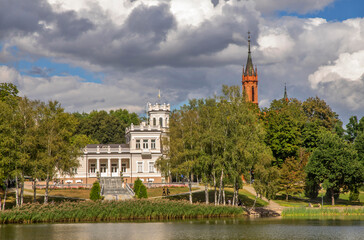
x,y
272,206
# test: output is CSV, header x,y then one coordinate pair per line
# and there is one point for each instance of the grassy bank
x,y
88,211
246,197
300,212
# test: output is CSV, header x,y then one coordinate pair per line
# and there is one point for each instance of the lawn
x,y
246,198
10,199
70,192
302,201
157,192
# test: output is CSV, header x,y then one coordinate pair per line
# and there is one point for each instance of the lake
x,y
239,228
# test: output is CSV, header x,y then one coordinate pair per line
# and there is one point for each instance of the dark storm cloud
x,y
22,17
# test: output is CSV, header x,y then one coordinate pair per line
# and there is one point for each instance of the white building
x,y
135,159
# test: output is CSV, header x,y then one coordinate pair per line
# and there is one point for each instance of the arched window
x,y
154,121
161,122
166,123
253,94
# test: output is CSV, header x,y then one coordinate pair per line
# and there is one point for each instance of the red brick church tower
x,y
250,78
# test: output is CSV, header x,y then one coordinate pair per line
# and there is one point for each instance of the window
x,y
152,144
145,144
151,167
93,168
154,121
161,122
253,94
114,168
74,170
123,167
140,167
103,168
166,122
137,146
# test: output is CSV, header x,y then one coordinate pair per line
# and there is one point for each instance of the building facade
x,y
135,159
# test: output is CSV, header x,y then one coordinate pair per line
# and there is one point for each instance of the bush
x,y
95,191
137,184
143,192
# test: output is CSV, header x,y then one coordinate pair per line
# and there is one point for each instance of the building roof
x,y
249,69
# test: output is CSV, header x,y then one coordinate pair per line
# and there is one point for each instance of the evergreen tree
x,y
95,191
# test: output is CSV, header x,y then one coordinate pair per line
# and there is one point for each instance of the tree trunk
x,y
223,195
286,196
190,187
332,197
206,193
215,189
16,191
220,195
46,190
22,193
34,190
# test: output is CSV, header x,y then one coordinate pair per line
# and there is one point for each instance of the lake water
x,y
242,228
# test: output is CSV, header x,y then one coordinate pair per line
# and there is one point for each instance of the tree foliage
x,y
334,164
95,191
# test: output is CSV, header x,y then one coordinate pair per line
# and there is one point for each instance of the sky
x,y
111,54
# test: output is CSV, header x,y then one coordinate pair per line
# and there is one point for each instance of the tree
x,y
316,109
335,165
137,184
95,191
143,192
58,154
284,122
292,174
353,128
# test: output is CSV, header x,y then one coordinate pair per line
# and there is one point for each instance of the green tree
x,y
137,184
316,109
335,165
292,174
95,191
353,128
58,155
284,123
143,192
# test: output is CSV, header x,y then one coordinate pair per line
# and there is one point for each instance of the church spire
x,y
285,97
250,78
249,69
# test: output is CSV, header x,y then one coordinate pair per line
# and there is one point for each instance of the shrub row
x,y
89,211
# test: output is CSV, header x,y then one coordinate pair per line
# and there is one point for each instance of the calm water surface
x,y
243,228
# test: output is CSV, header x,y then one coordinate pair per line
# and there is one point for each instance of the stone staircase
x,y
113,189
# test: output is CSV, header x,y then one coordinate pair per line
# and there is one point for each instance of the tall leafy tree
x,y
316,109
57,129
334,164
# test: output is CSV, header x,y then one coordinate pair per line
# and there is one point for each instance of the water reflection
x,y
243,228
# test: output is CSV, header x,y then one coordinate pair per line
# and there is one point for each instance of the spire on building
x,y
250,78
285,97
249,69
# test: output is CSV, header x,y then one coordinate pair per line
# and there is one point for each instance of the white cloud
x,y
348,67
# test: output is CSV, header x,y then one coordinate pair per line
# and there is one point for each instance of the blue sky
x,y
118,54
339,10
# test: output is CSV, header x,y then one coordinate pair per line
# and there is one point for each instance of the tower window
x,y
154,121
252,94
161,122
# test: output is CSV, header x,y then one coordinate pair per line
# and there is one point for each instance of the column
x,y
109,167
119,166
98,165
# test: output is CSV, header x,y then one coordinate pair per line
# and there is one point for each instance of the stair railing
x,y
130,190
